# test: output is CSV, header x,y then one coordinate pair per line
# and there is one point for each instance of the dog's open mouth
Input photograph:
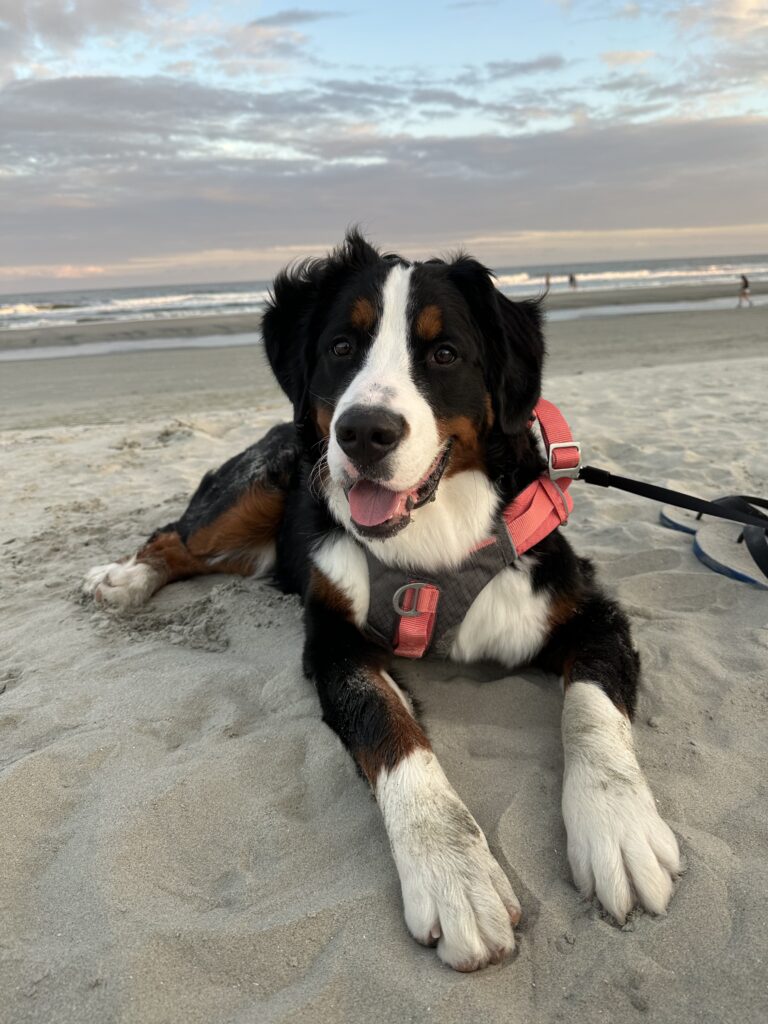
x,y
378,511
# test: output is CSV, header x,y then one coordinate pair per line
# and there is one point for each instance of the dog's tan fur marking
x,y
363,314
490,415
232,543
322,415
244,529
330,595
402,736
429,323
467,447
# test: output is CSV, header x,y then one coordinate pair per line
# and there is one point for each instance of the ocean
x,y
148,303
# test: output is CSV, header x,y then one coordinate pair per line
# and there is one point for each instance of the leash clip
x,y
570,471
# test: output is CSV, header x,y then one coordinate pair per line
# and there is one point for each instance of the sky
x,y
153,141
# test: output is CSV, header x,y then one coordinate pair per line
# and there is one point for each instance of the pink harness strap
x,y
417,624
545,504
535,512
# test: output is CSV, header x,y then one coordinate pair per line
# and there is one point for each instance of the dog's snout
x,y
366,435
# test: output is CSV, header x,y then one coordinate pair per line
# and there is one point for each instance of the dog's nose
x,y
366,435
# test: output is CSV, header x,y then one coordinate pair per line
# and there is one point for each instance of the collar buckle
x,y
572,471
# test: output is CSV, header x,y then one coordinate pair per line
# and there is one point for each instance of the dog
x,y
413,387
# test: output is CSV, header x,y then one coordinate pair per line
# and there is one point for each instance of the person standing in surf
x,y
744,292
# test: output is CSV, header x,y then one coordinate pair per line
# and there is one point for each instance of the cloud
x,y
37,27
619,58
57,34
208,162
515,68
630,10
162,177
295,16
735,18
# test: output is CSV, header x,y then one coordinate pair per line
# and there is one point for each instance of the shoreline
x,y
248,323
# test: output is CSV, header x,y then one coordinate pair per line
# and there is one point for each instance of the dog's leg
x,y
618,845
230,526
454,892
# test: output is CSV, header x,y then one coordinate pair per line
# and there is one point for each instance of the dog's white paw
x,y
454,892
462,899
123,585
619,847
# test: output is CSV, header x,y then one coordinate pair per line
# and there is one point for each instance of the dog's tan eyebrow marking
x,y
362,315
429,323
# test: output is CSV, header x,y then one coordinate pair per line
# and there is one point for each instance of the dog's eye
x,y
444,354
342,347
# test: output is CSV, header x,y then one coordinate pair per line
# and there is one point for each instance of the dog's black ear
x,y
514,343
293,318
285,329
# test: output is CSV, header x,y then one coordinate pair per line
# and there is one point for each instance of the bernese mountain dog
x,y
413,387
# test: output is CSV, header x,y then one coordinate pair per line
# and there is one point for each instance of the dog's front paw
x,y
123,585
619,847
454,892
462,899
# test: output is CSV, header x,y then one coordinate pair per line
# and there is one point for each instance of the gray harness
x,y
412,613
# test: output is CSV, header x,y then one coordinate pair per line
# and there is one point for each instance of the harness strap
x,y
417,618
563,453
536,512
545,504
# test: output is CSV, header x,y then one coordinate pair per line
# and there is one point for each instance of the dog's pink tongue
x,y
371,504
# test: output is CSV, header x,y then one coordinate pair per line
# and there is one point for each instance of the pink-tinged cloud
x,y
620,58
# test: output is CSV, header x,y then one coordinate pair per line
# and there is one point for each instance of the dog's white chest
x,y
507,622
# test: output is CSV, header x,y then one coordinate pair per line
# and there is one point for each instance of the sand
x,y
182,840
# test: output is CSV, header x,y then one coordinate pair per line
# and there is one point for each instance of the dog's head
x,y
405,370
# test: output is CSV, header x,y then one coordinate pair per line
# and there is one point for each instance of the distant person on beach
x,y
744,292
572,281
547,281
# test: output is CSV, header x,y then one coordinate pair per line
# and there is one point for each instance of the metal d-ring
x,y
404,590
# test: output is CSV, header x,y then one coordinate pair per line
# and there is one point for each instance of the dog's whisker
x,y
315,482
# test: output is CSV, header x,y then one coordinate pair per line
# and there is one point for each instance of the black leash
x,y
602,478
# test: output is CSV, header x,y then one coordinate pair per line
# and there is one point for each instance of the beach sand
x,y
183,840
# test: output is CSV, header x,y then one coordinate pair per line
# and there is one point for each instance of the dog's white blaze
x,y
386,378
343,562
452,886
388,362
618,845
507,621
